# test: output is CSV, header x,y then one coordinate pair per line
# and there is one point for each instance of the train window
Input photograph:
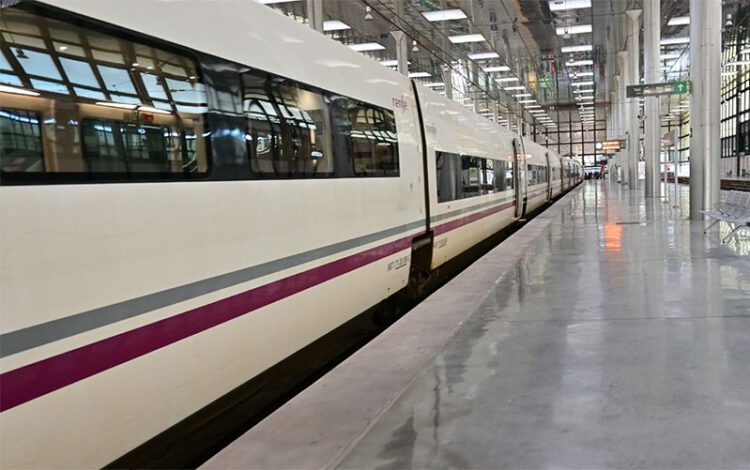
x,y
105,108
368,134
537,174
288,127
464,176
20,141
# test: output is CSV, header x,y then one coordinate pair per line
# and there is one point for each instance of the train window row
x,y
295,131
464,176
79,104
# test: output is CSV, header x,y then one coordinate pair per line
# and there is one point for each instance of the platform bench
x,y
735,210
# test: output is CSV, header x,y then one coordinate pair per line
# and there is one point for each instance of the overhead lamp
x,y
444,15
579,63
335,25
581,48
389,63
573,29
368,13
679,21
484,55
511,88
414,47
433,84
506,79
522,95
562,5
497,68
366,46
738,62
526,101
17,91
533,106
669,56
271,2
727,74
116,105
675,40
582,83
584,74
464,38
419,75
583,91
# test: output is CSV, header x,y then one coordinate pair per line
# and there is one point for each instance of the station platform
x,y
609,332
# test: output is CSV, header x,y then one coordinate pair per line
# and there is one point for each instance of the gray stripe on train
x,y
44,333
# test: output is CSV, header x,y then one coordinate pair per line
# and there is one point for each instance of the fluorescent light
x,y
583,74
739,62
679,21
522,95
506,79
17,91
444,15
511,88
533,106
573,29
419,75
582,48
484,55
579,63
116,105
675,40
669,56
526,101
583,91
271,2
389,63
727,74
582,83
149,109
562,5
433,84
497,68
463,38
335,25
366,46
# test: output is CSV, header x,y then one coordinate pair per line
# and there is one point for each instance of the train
x,y
190,194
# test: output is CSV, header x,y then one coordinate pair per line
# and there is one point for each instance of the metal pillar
x,y
402,51
617,114
625,113
315,14
651,50
633,78
705,74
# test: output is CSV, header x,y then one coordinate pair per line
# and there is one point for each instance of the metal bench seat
x,y
735,210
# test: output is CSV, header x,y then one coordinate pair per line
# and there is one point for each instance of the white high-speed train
x,y
193,191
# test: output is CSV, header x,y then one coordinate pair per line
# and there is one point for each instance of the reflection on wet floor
x,y
621,341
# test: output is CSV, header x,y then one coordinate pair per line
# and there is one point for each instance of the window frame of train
x,y
484,167
81,58
535,171
338,150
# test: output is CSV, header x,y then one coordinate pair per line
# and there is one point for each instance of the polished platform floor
x,y
622,341
619,338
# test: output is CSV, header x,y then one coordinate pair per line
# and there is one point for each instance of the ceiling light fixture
x,y
444,15
511,88
581,48
433,84
573,29
497,68
366,46
464,38
419,75
506,79
582,83
335,25
675,40
484,55
17,91
679,21
562,5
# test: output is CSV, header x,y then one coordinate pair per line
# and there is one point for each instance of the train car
x,y
179,213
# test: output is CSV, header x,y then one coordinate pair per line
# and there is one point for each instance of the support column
x,y
402,51
634,78
625,113
617,113
651,51
315,14
705,74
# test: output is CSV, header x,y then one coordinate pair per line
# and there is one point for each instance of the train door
x,y
519,177
549,177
